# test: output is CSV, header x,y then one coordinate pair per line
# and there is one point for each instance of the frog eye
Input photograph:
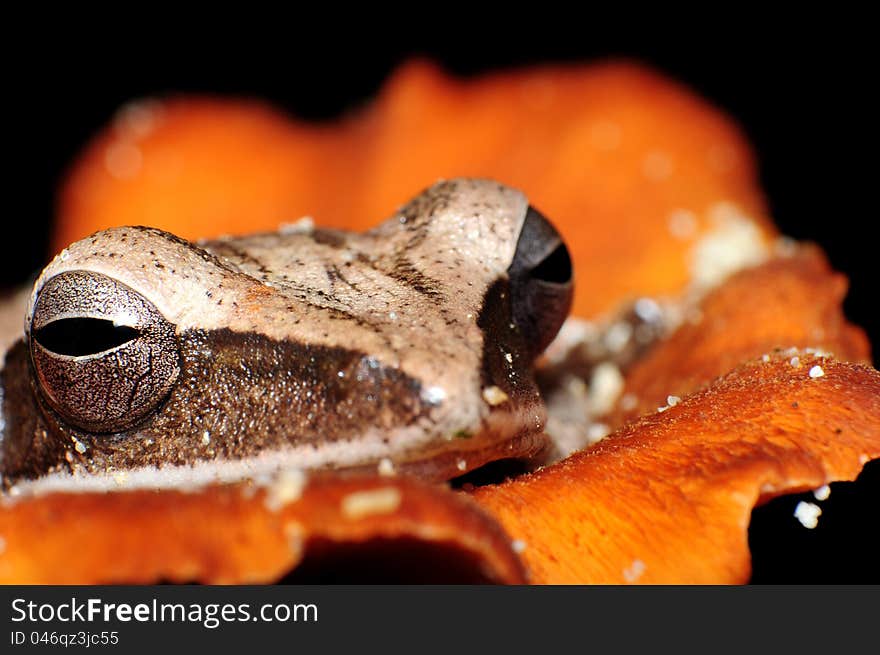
x,y
541,281
104,356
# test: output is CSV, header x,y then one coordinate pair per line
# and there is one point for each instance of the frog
x,y
149,360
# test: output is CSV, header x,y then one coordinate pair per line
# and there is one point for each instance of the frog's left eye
x,y
104,356
541,281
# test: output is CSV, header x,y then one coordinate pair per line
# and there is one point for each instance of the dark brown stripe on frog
x,y
405,272
331,238
505,361
332,307
426,205
236,255
27,447
285,394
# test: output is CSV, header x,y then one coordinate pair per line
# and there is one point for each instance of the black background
x,y
800,91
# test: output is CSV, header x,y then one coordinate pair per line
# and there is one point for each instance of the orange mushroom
x,y
649,185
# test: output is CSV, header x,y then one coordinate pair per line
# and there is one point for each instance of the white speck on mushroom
x,y
461,465
648,310
287,487
765,358
733,243
386,467
822,493
808,514
671,401
816,372
617,337
597,432
634,571
360,504
509,358
795,361
79,446
518,545
206,438
606,384
494,396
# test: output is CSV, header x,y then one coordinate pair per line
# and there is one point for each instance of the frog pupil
x,y
555,268
78,337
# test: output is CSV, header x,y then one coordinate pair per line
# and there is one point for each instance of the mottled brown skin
x,y
310,348
283,390
248,405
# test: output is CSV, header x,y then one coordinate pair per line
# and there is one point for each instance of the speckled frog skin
x,y
146,357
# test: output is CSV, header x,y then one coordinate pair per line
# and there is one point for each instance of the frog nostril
x,y
78,337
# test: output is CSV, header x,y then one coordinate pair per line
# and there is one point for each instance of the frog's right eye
x,y
104,356
541,281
